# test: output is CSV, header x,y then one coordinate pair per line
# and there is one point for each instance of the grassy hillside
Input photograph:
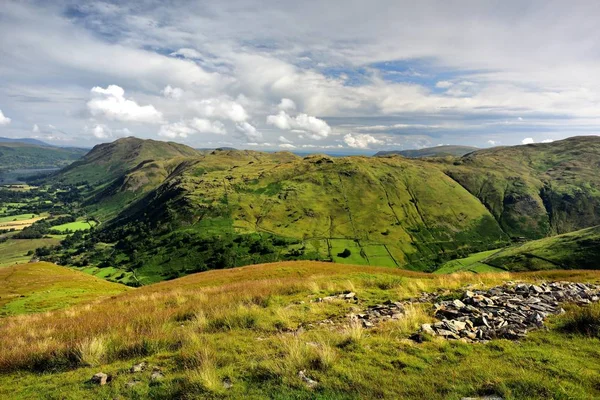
x,y
247,332
574,250
438,151
231,208
15,251
16,155
167,210
535,190
35,287
109,161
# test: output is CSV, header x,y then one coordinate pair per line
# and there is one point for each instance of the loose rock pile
x,y
379,313
508,311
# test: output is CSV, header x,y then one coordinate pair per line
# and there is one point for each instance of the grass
x,y
473,263
579,249
75,226
241,327
20,217
14,251
36,287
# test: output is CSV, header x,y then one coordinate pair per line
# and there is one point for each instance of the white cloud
x,y
112,104
287,146
443,84
176,130
492,142
183,129
99,131
527,141
287,105
203,125
361,140
248,130
283,139
172,92
221,108
4,120
313,127
36,128
187,53
547,141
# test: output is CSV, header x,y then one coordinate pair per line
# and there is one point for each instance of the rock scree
x,y
508,311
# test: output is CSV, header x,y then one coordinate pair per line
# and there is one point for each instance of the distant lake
x,y
16,175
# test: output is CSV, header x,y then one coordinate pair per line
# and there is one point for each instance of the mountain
x,y
535,190
167,210
35,142
438,151
119,172
18,155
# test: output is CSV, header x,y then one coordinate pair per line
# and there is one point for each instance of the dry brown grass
x,y
264,298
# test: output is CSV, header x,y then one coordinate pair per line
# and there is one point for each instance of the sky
x,y
338,76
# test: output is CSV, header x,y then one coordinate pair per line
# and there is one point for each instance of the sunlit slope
x,y
247,332
389,206
109,161
574,250
536,190
35,287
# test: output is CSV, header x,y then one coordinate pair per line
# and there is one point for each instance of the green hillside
x,y
438,151
535,190
574,250
17,155
166,210
230,208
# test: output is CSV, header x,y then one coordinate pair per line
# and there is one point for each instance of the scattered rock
x,y
157,375
508,311
227,384
100,378
131,384
311,383
138,367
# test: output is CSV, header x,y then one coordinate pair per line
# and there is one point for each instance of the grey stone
x,y
100,378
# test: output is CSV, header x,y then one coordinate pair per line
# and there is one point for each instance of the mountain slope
x,y
535,190
16,155
574,250
30,141
438,151
248,332
232,208
108,161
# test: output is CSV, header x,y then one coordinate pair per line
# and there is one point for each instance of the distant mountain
x,y
20,155
438,151
26,141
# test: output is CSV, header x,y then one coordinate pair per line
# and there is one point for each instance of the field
x,y
14,251
75,226
37,287
247,332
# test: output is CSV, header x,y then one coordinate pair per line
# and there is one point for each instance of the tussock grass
x,y
91,351
582,320
242,325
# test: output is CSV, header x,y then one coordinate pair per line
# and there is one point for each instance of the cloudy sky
x,y
346,76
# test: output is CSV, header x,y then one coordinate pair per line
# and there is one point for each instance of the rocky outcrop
x,y
508,311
